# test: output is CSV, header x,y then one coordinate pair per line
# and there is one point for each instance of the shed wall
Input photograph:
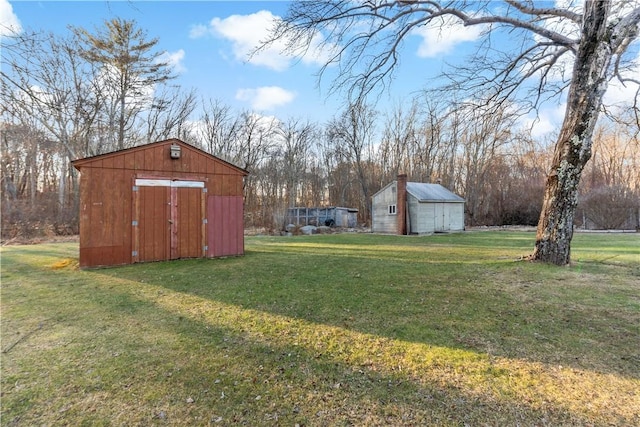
x,y
112,218
105,209
381,220
341,217
421,216
456,216
432,217
346,217
225,228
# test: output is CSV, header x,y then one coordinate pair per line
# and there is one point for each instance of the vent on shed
x,y
175,151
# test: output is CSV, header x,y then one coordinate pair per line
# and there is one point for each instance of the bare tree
x,y
616,159
46,86
44,79
398,138
130,69
527,162
314,187
295,140
365,40
169,113
436,143
32,168
219,128
280,177
252,147
351,134
482,139
610,190
255,139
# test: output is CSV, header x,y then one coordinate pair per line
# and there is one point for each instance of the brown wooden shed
x,y
160,201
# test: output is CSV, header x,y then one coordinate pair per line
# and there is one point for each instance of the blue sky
x,y
209,61
208,42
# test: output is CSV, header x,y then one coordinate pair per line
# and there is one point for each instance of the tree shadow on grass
x,y
501,310
182,356
435,314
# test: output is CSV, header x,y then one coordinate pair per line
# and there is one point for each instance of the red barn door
x,y
169,220
187,204
225,231
153,224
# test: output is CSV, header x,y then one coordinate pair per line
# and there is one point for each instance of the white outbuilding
x,y
403,207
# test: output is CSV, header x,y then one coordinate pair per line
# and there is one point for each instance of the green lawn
x,y
348,329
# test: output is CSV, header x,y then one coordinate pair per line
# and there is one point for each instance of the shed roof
x,y
325,207
432,193
78,163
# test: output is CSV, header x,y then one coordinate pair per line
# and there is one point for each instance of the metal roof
x,y
432,193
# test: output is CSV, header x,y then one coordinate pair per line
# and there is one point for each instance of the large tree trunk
x,y
573,147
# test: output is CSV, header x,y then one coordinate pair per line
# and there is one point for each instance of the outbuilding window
x,y
392,209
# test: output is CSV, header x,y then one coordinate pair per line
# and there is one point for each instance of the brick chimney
x,y
401,204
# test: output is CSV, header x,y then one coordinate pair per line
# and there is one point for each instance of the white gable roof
x,y
432,193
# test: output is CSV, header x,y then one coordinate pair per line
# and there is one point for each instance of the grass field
x,y
327,330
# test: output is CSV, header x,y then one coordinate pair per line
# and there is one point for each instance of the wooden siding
x,y
423,216
121,223
420,216
186,228
153,214
456,217
434,217
225,230
381,220
104,205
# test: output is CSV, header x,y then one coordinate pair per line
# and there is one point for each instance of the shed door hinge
x,y
204,221
205,248
134,223
135,188
134,253
204,189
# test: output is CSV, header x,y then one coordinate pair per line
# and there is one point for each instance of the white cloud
x,y
246,32
174,59
565,26
561,70
9,22
619,94
442,36
617,99
197,31
265,98
546,122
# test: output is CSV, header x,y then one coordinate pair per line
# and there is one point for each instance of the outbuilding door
x,y
170,220
225,232
441,223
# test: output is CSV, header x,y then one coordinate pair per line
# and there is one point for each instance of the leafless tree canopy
x,y
59,103
574,49
129,66
365,39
